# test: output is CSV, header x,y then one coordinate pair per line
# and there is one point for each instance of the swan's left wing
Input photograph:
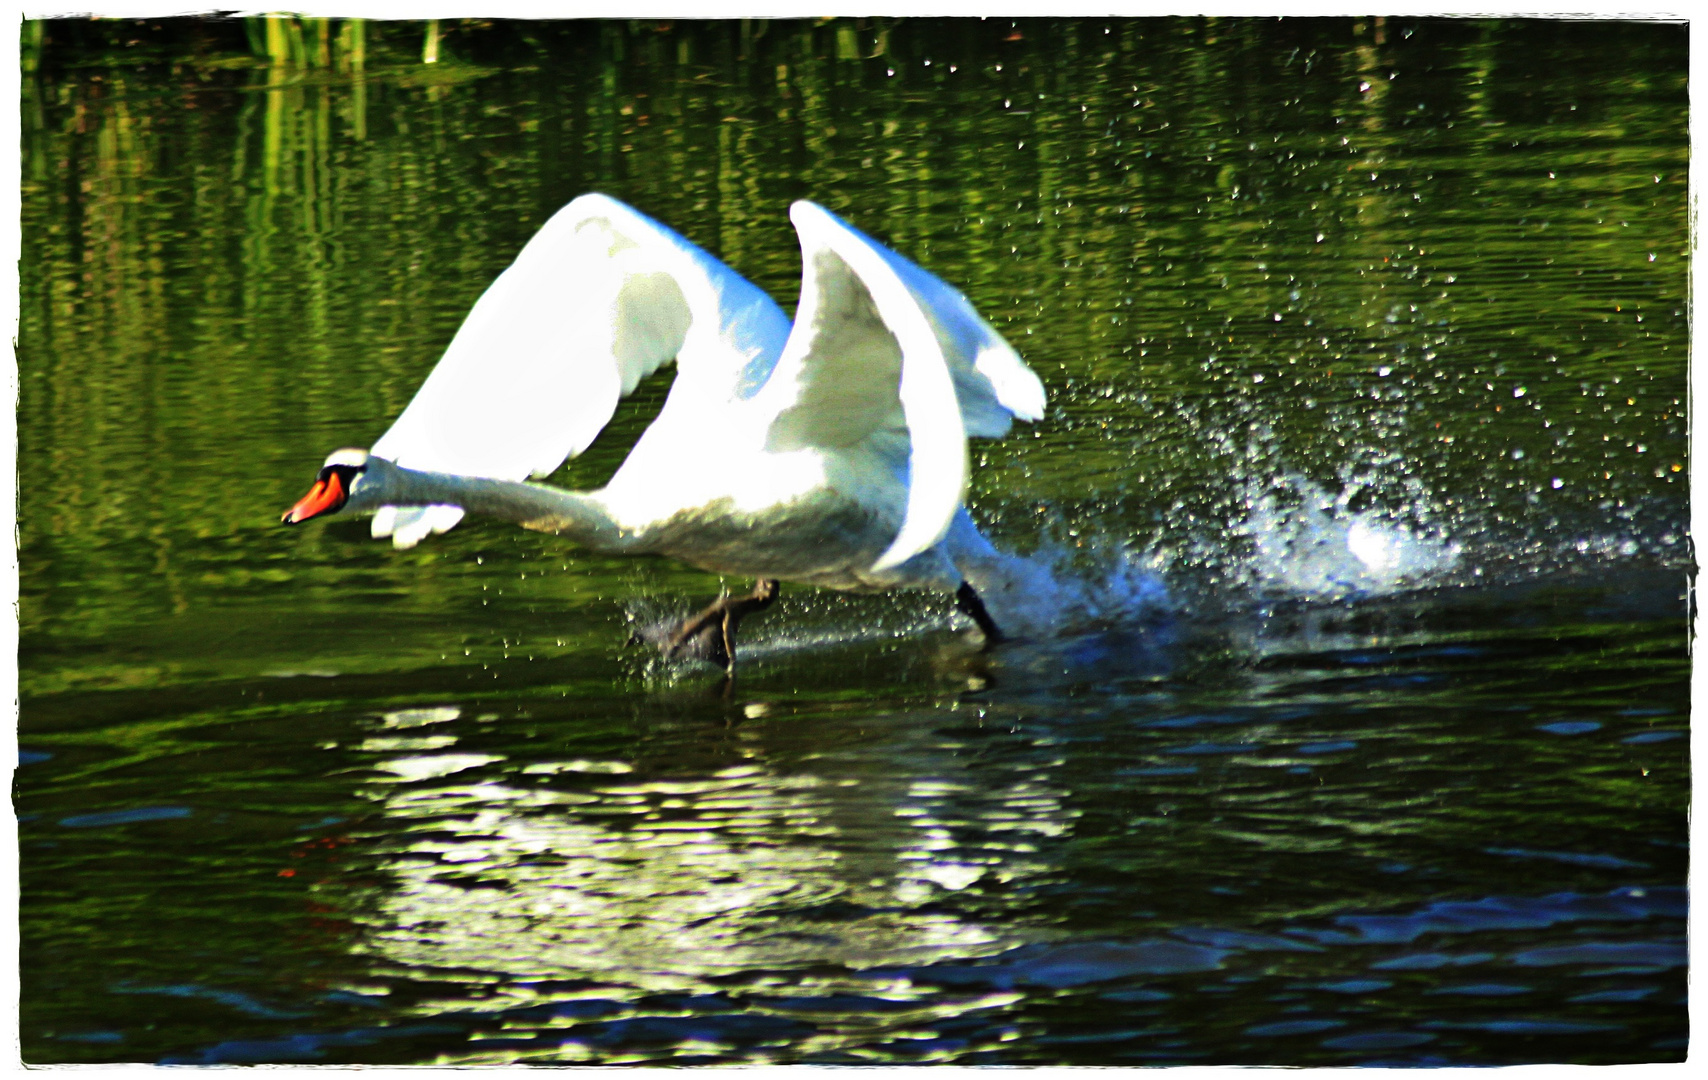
x,y
599,298
886,351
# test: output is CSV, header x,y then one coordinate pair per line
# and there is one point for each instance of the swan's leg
x,y
763,595
701,635
969,604
711,634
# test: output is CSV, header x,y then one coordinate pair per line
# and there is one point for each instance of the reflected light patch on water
x,y
659,880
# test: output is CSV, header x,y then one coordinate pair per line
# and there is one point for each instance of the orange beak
x,y
326,495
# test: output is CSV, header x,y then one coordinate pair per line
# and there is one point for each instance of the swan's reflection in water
x,y
590,869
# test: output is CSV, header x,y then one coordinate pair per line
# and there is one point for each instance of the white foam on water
x,y
1309,542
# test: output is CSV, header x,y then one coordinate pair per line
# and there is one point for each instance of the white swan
x,y
833,452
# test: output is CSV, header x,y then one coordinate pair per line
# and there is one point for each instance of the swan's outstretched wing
x,y
599,299
884,350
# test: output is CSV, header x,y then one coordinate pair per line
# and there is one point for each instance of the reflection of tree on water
x,y
1186,224
585,869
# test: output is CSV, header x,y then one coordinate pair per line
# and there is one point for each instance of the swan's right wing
x,y
599,299
885,351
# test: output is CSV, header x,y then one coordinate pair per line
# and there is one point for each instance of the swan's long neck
x,y
581,517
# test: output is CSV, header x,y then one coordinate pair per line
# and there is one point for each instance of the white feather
x,y
866,403
867,363
409,525
599,299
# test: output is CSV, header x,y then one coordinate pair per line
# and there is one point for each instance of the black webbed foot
x,y
710,635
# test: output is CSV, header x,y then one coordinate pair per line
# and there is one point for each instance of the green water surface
x,y
295,796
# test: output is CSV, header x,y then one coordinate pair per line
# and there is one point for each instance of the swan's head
x,y
332,488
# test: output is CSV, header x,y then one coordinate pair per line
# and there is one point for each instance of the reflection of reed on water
x,y
1318,283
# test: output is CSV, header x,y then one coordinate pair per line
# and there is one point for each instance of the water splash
x,y
1310,542
1296,538
1064,588
802,620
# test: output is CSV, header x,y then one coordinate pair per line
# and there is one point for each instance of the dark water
x,y
1299,290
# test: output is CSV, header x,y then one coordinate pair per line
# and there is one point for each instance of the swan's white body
x,y
831,452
